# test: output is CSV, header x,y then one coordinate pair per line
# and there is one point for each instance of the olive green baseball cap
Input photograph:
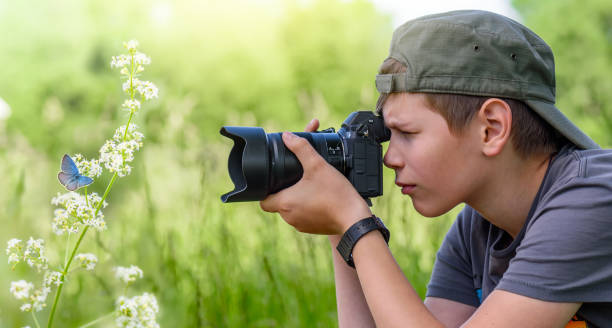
x,y
480,53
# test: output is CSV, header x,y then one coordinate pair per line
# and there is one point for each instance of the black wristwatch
x,y
355,232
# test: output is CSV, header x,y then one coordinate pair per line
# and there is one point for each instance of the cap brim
x,y
557,120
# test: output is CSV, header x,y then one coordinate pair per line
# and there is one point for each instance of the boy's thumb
x,y
301,148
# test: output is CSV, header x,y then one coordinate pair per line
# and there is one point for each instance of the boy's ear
x,y
495,118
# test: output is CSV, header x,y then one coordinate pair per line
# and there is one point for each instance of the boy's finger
x,y
302,149
270,203
312,126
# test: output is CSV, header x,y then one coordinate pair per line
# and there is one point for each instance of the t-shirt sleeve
x,y
566,254
452,276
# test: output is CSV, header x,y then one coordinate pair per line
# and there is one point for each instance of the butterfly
x,y
70,177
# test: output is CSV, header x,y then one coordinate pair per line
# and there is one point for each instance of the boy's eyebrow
x,y
392,124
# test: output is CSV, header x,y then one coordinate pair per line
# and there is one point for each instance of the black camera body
x,y
259,164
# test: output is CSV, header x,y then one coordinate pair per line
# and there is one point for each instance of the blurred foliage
x,y
274,64
580,34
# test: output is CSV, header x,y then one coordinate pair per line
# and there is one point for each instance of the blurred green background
x,y
274,64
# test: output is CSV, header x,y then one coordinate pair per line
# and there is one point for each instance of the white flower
x,y
34,254
141,59
5,110
77,211
21,289
52,278
87,261
14,250
148,90
120,61
34,299
128,275
138,311
116,153
131,45
130,85
39,297
131,105
113,159
130,135
90,168
14,244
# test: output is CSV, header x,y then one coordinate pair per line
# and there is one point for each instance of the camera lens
x,y
259,164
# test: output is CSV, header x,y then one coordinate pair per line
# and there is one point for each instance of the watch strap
x,y
355,232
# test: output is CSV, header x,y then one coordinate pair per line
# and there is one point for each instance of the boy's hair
x,y
530,134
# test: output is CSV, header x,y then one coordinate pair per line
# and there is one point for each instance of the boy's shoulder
x,y
576,181
577,175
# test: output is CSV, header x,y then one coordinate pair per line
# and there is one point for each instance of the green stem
x,y
67,244
108,188
132,78
76,247
97,320
127,126
35,320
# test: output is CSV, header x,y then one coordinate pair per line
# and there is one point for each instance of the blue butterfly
x,y
70,177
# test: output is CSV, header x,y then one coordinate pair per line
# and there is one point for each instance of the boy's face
x,y
435,168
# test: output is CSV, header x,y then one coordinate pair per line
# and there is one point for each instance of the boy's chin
x,y
430,210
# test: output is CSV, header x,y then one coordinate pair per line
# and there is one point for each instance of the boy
x,y
469,99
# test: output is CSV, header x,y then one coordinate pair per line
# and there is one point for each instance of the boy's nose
x,y
391,159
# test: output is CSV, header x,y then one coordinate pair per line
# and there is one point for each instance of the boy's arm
x,y
394,303
449,313
353,311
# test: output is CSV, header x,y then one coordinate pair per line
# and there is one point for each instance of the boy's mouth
x,y
406,188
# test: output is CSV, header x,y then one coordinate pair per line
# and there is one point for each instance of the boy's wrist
x,y
352,215
356,232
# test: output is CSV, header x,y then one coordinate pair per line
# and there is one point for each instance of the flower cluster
x,y
117,152
77,210
33,253
14,250
90,168
35,299
147,89
87,261
128,275
52,278
131,106
137,311
131,64
21,289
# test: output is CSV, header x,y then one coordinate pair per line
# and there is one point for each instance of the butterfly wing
x,y
69,181
70,177
82,181
68,165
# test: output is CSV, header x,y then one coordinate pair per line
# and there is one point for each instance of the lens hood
x,y
246,165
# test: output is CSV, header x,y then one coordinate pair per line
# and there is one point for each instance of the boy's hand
x,y
323,201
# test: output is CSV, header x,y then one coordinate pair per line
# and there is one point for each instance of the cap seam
x,y
474,77
476,93
480,30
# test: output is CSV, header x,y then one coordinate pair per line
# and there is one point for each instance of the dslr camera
x,y
259,164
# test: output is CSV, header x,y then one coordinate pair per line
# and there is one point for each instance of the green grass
x,y
216,62
210,264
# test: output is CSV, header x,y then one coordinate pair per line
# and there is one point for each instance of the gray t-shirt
x,y
562,254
